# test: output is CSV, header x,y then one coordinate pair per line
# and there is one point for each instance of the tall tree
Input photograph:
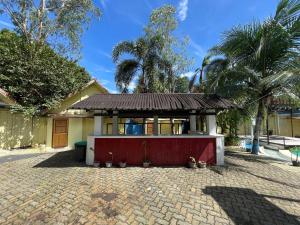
x,y
142,66
201,71
58,22
260,60
163,23
37,80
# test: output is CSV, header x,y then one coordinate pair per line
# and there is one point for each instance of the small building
x,y
59,127
110,138
282,119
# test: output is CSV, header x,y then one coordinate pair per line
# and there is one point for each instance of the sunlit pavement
x,y
54,189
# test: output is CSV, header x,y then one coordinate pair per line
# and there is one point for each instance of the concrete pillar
x,y
155,126
211,124
193,123
89,159
278,123
98,125
115,125
220,150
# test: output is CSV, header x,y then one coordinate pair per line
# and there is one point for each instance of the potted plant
x,y
122,164
109,163
146,162
295,151
202,164
96,164
192,163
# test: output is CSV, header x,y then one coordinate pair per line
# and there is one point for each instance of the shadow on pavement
x,y
62,159
246,207
231,166
252,158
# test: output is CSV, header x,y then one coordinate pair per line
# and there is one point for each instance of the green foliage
x,y
229,121
201,86
182,85
163,23
259,61
35,76
144,64
156,59
59,23
232,141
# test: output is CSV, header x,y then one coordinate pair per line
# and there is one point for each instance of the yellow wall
x,y
78,127
75,131
285,127
81,95
87,127
278,124
17,131
49,132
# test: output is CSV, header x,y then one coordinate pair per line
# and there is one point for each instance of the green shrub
x,y
232,141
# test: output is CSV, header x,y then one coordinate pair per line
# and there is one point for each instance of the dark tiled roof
x,y
154,102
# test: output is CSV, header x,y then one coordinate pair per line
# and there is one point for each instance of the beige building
x,y
58,128
280,123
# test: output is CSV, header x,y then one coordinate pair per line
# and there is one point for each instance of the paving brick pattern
x,y
48,189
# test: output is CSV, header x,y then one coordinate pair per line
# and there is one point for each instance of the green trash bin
x,y
80,151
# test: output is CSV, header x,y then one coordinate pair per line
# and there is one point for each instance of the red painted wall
x,y
160,151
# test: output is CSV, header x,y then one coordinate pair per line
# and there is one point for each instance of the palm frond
x,y
123,48
192,82
125,72
287,11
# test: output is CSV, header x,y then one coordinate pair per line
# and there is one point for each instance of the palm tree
x,y
145,64
259,60
201,71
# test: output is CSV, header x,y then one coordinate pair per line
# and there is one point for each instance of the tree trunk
x,y
41,12
201,77
258,123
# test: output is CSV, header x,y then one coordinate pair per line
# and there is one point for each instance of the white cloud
x,y
112,91
6,24
99,68
131,17
132,85
104,54
199,50
188,74
103,3
105,82
183,9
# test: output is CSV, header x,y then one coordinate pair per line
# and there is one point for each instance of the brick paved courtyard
x,y
47,189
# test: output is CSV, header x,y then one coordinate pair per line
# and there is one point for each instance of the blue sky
x,y
203,21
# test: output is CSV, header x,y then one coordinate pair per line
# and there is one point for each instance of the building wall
x,y
285,127
79,128
17,131
75,131
87,128
81,95
279,125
